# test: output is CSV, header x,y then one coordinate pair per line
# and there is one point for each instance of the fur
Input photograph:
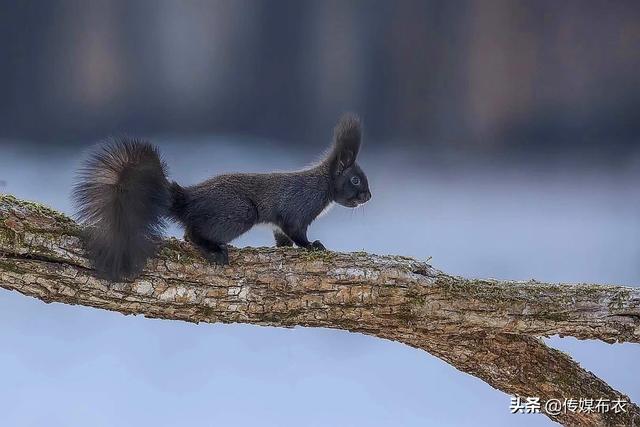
x,y
125,196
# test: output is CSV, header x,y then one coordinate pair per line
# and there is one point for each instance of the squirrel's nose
x,y
365,196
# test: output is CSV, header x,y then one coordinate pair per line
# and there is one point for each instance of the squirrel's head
x,y
350,184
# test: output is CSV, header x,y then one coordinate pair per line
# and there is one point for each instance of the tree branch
x,y
487,328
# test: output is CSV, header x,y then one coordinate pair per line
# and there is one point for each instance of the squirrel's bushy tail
x,y
123,196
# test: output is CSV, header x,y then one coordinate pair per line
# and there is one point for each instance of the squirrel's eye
x,y
355,180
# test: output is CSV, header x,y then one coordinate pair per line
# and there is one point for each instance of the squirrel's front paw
x,y
317,246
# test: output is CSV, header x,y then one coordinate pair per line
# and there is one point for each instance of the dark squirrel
x,y
125,198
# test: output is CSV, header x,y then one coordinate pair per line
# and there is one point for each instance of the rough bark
x,y
488,328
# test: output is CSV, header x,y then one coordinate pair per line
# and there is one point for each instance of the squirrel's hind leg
x,y
211,227
282,240
215,253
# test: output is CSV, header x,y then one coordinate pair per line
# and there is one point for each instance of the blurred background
x,y
502,139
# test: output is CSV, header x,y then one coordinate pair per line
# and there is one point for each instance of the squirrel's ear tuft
x,y
347,135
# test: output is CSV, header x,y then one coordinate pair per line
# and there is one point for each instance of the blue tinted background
x,y
73,366
501,139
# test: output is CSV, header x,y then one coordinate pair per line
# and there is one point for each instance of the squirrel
x,y
123,195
